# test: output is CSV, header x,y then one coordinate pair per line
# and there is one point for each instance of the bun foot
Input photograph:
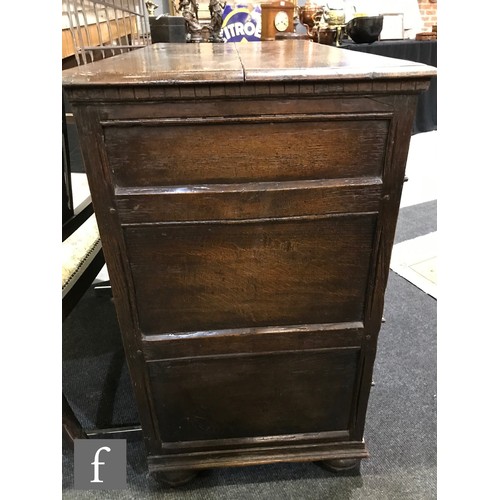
x,y
340,464
175,477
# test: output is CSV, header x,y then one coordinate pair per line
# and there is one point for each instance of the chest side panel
x,y
250,242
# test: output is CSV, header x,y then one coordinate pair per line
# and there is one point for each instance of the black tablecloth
x,y
422,51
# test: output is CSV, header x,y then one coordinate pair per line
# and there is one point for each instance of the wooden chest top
x,y
296,60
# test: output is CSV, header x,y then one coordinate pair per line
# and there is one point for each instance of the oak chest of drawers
x,y
247,198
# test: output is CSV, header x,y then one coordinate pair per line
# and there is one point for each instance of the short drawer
x,y
182,152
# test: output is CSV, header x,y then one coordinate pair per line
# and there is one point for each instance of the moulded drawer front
x,y
284,392
244,274
185,152
248,201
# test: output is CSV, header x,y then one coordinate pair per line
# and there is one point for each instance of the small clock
x,y
281,21
277,18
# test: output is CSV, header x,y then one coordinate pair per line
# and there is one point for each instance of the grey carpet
x,y
416,220
401,421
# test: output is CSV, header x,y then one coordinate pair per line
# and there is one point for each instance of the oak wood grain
x,y
247,198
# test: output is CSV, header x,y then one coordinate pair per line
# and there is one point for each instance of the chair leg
x,y
71,427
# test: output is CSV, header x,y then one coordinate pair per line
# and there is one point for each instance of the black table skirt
x,y
422,51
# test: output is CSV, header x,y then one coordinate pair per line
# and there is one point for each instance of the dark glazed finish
x,y
247,198
365,29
